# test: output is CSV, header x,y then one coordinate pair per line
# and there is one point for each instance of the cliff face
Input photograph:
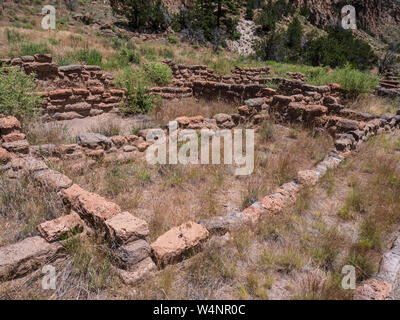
x,y
371,14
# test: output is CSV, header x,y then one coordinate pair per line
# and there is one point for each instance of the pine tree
x,y
141,14
294,34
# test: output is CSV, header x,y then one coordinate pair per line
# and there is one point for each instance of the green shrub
x,y
354,81
172,39
339,48
16,96
149,52
138,98
90,57
158,73
167,53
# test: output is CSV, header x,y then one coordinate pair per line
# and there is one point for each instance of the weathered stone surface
x,y
67,115
94,140
43,58
307,177
32,165
272,203
139,272
221,225
143,146
79,107
118,141
129,148
14,136
9,124
59,228
20,258
343,144
124,228
390,267
254,103
130,254
90,206
178,242
52,179
222,117
60,94
5,156
373,289
71,68
21,146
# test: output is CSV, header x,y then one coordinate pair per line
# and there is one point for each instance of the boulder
x,y
272,204
139,272
373,289
14,136
94,140
78,107
177,243
60,116
5,156
307,177
52,180
9,124
60,228
222,117
21,146
18,259
130,254
254,103
125,228
91,207
32,165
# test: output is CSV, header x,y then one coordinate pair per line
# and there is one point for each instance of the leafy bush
x,y
90,57
138,98
158,73
272,13
16,97
172,39
142,15
338,48
354,81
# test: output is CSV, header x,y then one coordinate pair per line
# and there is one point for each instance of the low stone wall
x,y
70,92
89,213
188,74
382,285
244,83
135,258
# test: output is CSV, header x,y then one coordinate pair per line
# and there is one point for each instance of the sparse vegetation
x,y
17,96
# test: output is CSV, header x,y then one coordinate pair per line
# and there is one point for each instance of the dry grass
x,y
169,195
24,205
375,105
190,107
38,132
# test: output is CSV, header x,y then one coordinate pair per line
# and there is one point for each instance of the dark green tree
x,y
142,14
294,35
